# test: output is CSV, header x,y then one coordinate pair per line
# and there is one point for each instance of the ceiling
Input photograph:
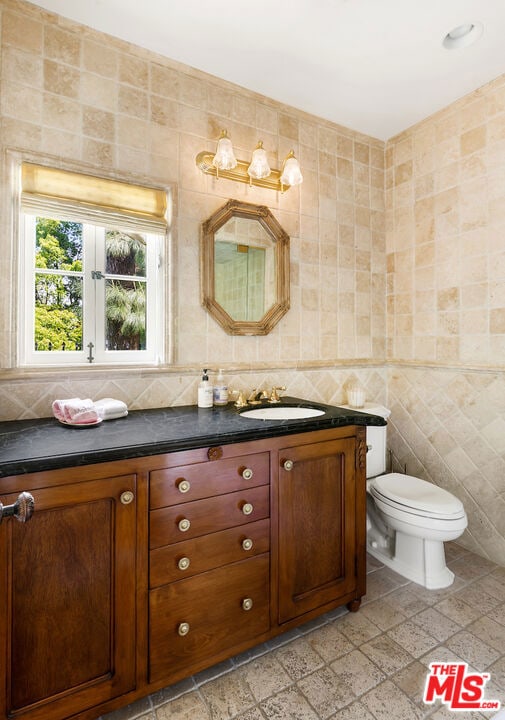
x,y
376,66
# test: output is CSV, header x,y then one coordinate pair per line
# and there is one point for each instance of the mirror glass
x,y
245,268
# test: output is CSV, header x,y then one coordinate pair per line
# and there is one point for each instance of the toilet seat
x,y
408,494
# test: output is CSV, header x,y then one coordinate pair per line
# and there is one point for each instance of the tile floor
x,y
369,665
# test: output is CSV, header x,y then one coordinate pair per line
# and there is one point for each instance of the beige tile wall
x,y
73,96
445,199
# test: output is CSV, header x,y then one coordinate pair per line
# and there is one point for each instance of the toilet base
x,y
416,559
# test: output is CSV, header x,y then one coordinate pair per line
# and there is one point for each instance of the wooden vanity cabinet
x,y
134,574
68,609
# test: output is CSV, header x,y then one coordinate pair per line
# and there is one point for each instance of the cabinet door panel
x,y
72,600
316,526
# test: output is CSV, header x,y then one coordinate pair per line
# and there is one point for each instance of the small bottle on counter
x,y
220,390
205,392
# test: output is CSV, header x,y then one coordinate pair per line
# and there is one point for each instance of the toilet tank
x,y
376,442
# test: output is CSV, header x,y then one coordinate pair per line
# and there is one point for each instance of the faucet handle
x,y
274,397
240,402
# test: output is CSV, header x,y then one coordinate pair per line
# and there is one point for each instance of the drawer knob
x,y
247,604
288,465
184,563
247,544
247,508
183,629
247,473
184,486
127,497
184,524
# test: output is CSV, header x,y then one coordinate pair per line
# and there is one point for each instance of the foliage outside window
x,y
92,293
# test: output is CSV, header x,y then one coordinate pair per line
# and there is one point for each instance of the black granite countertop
x,y
45,444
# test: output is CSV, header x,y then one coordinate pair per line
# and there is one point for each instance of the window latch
x,y
90,356
97,275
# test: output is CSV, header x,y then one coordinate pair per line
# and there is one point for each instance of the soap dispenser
x,y
220,390
205,392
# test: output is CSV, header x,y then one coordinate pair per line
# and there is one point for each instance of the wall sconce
x,y
224,164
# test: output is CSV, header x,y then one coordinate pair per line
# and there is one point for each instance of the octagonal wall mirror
x,y
244,268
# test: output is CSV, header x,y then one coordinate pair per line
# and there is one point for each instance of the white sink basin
x,y
281,413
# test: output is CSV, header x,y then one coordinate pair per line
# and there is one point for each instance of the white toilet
x,y
408,519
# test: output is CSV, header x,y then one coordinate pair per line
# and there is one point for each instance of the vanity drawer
x,y
193,620
188,558
171,486
180,522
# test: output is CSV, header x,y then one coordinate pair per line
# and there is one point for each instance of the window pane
x,y
58,245
125,315
58,312
125,253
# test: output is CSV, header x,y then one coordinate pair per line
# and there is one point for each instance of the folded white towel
x,y
75,411
110,409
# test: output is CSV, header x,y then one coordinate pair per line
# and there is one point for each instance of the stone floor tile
x,y
187,707
441,654
357,672
387,654
482,601
475,652
265,676
436,624
325,692
227,696
383,612
468,569
498,614
253,714
355,711
173,691
357,628
329,642
388,702
491,585
288,704
381,582
490,632
412,638
445,713
408,601
412,680
455,608
299,658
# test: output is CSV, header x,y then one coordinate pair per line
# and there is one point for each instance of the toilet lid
x,y
417,494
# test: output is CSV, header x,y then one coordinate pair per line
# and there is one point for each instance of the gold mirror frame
x,y
280,239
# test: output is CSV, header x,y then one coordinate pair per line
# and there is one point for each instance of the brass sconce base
x,y
239,173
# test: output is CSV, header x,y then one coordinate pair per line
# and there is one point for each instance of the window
x,y
92,276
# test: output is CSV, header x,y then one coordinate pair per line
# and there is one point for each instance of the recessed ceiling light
x,y
462,35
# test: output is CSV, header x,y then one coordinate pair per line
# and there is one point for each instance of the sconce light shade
x,y
259,167
291,173
224,159
224,164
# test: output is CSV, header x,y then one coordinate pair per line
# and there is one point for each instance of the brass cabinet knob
x,y
184,563
247,604
247,473
247,508
184,525
183,629
247,544
288,465
183,486
127,497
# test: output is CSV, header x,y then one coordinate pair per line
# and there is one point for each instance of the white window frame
x,y
93,297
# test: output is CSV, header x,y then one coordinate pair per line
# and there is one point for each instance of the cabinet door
x,y
317,541
70,607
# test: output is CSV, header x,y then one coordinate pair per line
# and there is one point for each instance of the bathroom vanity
x,y
168,541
